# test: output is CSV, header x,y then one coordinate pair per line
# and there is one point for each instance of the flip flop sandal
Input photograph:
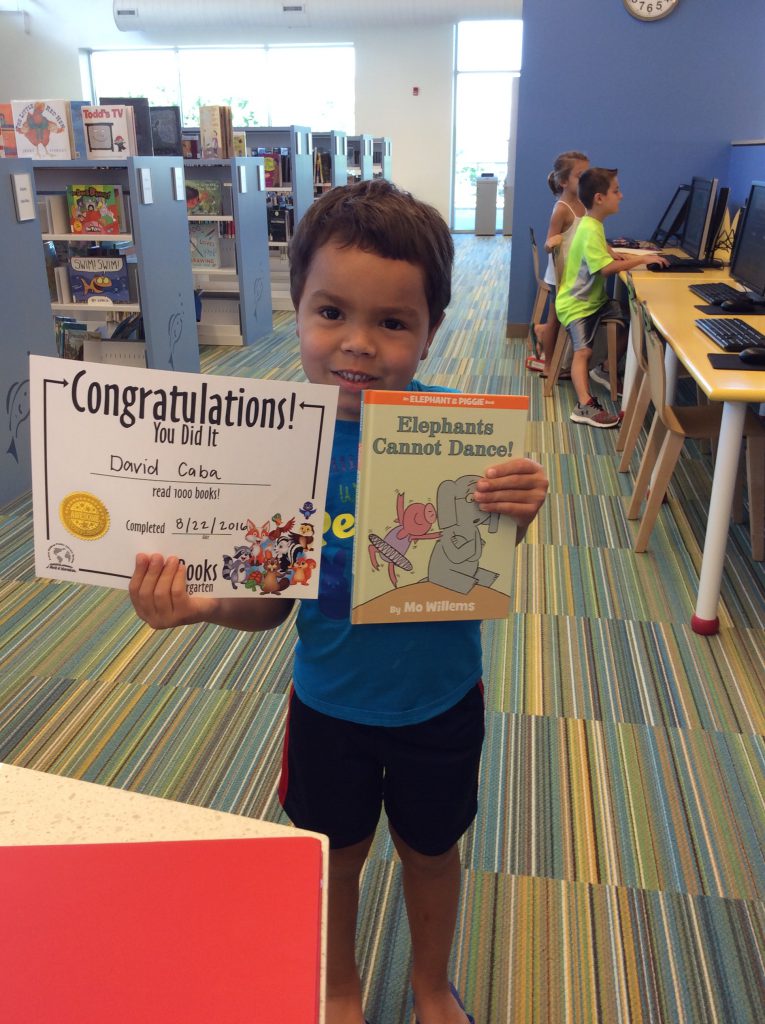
x,y
458,999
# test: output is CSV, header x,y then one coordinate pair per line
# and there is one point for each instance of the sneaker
x,y
600,376
594,415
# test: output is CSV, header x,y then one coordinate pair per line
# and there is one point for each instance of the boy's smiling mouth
x,y
353,377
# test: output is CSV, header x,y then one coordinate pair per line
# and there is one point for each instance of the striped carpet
x,y
617,871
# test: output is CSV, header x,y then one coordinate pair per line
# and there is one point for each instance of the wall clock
x,y
650,10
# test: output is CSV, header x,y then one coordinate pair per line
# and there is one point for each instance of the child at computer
x,y
380,715
582,302
563,182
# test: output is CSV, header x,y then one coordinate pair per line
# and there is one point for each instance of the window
x,y
488,58
263,85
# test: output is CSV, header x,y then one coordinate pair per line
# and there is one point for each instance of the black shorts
x,y
337,775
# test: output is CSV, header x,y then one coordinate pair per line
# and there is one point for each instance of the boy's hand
x,y
158,592
655,258
515,488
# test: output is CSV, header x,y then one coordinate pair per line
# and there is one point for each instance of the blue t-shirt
x,y
383,674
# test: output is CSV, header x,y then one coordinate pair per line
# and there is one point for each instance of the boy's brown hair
x,y
595,180
377,217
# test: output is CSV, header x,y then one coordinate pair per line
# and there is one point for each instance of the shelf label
x,y
144,176
179,185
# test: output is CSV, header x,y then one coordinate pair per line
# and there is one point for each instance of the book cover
x,y
141,119
80,149
272,168
240,143
195,930
43,129
93,209
109,131
423,548
211,132
7,134
99,279
204,198
166,133
204,240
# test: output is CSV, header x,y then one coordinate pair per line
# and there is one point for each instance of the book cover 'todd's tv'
x,y
423,548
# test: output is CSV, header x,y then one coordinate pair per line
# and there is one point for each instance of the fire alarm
x,y
415,90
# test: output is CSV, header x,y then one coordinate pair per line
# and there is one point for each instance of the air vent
x,y
127,12
292,8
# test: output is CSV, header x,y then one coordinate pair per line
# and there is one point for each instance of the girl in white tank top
x,y
566,214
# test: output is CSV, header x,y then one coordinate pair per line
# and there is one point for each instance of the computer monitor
x,y
701,203
748,262
673,218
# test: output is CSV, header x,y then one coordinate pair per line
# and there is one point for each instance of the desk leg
x,y
705,621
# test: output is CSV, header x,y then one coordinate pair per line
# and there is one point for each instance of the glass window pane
x,y
230,77
150,73
330,104
482,133
489,45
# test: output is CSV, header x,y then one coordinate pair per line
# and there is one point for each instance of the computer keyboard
x,y
677,263
730,333
715,294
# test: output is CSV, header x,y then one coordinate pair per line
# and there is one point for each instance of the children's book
x,y
80,149
423,548
166,133
215,132
99,279
43,129
204,198
240,143
141,119
93,209
204,239
109,131
7,134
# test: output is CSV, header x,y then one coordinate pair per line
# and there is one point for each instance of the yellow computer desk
x,y
673,309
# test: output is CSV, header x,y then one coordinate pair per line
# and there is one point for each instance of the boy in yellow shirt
x,y
582,303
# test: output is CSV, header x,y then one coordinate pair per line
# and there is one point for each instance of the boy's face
x,y
611,200
363,322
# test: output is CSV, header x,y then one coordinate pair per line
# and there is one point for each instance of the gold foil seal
x,y
84,515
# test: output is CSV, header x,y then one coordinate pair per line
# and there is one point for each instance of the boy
x,y
381,715
582,303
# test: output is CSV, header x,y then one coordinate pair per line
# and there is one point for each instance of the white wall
x,y
389,63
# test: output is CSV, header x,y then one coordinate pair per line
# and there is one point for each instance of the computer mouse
x,y
737,306
755,356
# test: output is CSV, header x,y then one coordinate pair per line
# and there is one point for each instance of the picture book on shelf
x,y
141,119
166,133
7,134
43,129
80,149
204,198
423,548
99,279
94,209
215,132
204,239
109,131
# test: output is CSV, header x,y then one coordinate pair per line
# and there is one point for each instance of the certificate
x,y
227,473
